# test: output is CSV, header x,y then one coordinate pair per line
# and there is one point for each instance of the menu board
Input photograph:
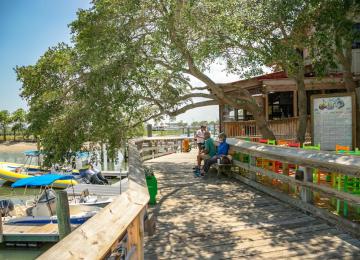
x,y
333,120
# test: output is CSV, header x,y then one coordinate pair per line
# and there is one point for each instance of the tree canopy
x,y
132,61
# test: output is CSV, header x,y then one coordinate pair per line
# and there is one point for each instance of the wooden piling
x,y
63,213
1,230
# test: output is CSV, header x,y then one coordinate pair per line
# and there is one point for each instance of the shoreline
x,y
16,147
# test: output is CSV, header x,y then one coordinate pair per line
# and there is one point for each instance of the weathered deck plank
x,y
223,219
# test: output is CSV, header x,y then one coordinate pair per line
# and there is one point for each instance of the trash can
x,y
152,187
186,146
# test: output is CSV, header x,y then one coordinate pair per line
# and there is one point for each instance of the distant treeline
x,y
13,126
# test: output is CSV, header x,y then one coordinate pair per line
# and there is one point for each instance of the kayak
x,y
8,173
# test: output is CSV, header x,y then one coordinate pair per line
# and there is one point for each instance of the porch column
x,y
221,121
236,114
266,105
295,103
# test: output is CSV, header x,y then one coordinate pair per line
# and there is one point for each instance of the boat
x,y
42,210
48,180
9,172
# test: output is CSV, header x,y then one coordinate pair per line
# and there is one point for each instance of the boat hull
x,y
75,220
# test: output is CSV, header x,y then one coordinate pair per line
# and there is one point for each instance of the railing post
x,y
252,162
63,213
305,193
135,241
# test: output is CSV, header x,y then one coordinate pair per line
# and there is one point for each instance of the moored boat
x,y
42,210
9,172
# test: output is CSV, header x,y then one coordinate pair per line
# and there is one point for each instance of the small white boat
x,y
43,211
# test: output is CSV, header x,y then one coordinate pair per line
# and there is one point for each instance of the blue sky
x,y
27,29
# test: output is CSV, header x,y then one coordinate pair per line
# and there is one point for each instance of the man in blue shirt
x,y
223,150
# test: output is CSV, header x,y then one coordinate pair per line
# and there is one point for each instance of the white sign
x,y
333,122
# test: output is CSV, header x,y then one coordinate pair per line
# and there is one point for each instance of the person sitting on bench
x,y
221,154
208,152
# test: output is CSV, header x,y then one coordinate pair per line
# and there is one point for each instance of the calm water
x,y
19,196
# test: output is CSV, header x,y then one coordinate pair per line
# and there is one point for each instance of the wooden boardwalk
x,y
211,218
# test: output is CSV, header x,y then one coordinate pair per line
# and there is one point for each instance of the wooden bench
x,y
223,168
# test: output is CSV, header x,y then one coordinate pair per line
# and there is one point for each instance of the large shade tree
x,y
161,43
132,61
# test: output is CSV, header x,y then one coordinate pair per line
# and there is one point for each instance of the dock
x,y
221,218
115,174
28,233
100,190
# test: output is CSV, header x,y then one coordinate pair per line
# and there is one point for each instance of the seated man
x,y
95,175
223,150
208,152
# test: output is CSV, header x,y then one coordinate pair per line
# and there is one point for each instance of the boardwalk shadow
x,y
219,218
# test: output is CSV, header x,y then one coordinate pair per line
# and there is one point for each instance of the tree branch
x,y
191,106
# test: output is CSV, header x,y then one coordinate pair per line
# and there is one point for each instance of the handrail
x,y
328,161
282,128
100,235
347,165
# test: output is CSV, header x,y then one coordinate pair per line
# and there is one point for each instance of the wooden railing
x,y
122,221
153,147
342,165
282,128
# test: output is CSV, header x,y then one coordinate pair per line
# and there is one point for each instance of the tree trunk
x,y
14,135
245,97
4,133
302,105
345,59
260,121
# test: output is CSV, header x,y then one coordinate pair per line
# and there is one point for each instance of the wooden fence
x,y
342,166
122,221
282,128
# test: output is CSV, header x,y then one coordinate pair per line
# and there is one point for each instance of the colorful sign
x,y
333,121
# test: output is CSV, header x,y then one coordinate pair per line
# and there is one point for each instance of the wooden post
x,y
221,120
1,230
63,213
306,194
266,106
149,130
135,233
236,114
295,105
252,162
285,167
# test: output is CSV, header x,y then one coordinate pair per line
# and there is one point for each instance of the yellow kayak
x,y
8,173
